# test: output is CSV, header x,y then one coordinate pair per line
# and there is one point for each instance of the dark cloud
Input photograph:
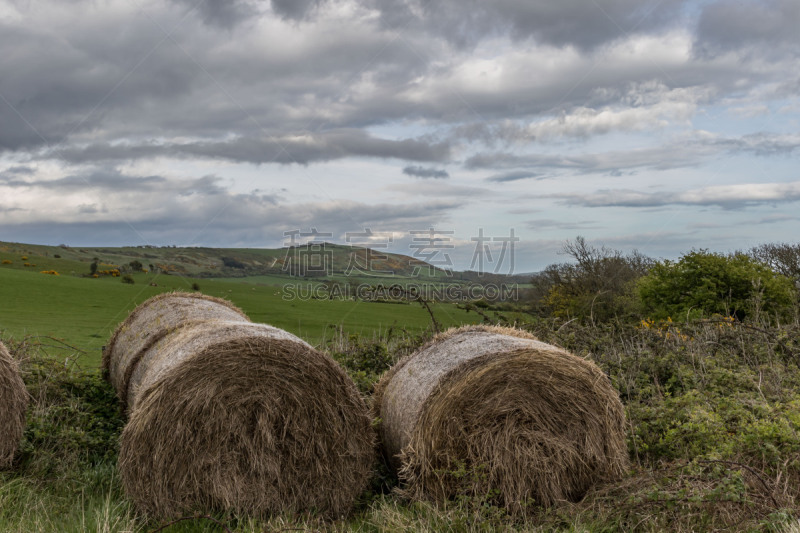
x,y
295,9
222,13
107,182
513,176
567,23
724,26
301,149
425,172
116,76
19,170
96,74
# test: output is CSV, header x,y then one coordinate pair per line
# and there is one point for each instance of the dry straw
x,y
13,402
236,416
492,412
153,320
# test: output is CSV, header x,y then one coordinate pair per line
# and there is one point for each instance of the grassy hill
x,y
313,260
82,311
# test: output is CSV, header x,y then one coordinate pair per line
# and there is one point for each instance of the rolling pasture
x,y
83,311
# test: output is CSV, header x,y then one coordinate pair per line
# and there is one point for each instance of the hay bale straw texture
x,y
152,321
493,412
235,416
13,402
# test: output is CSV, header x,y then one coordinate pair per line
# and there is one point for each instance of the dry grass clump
x,y
492,412
13,402
684,496
236,416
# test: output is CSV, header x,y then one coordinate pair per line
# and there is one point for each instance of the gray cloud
x,y
301,149
223,13
425,172
724,26
659,158
761,144
440,189
677,154
241,221
114,75
573,23
162,210
549,223
295,9
730,197
101,111
19,170
111,180
514,175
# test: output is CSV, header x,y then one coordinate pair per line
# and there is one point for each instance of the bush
x,y
702,283
127,278
74,418
599,285
230,262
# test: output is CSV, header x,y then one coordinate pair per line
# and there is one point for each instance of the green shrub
x,y
74,419
702,283
365,361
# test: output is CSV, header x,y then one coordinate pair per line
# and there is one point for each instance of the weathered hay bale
x,y
493,412
236,416
152,321
13,402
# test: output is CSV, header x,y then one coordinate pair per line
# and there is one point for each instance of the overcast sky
x,y
661,125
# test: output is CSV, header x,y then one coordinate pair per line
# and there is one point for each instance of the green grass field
x,y
83,312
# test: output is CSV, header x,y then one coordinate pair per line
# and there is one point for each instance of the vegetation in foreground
x,y
711,389
713,407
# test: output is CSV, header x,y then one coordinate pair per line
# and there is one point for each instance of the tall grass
x,y
714,436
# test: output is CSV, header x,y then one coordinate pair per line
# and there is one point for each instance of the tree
x,y
704,283
599,285
783,258
233,263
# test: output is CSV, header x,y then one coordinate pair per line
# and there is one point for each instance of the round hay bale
x,y
231,415
494,413
152,321
13,402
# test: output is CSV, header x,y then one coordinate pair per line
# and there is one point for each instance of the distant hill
x,y
312,261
